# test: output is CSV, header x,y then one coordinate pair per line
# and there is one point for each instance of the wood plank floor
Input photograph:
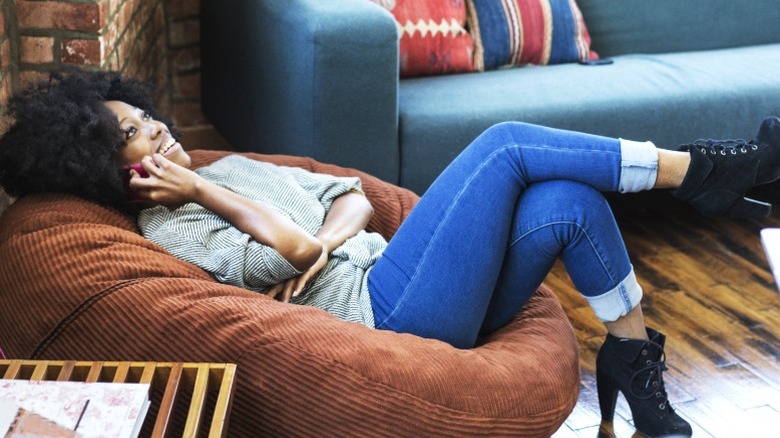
x,y
708,287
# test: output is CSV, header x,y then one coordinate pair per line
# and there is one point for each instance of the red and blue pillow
x,y
433,36
519,32
457,36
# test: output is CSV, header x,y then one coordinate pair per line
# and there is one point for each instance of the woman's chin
x,y
178,155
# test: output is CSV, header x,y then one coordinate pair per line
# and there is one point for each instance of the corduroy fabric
x,y
79,282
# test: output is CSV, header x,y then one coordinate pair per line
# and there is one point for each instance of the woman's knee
x,y
506,130
563,200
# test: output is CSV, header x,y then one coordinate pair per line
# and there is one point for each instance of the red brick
x,y
5,55
111,6
185,60
89,17
186,86
133,67
124,44
36,50
161,77
159,18
112,63
184,8
122,18
183,33
109,39
5,90
82,52
28,77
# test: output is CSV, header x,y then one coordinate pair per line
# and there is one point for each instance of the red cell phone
x,y
132,195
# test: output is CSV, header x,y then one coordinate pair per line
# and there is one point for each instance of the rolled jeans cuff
x,y
618,301
638,166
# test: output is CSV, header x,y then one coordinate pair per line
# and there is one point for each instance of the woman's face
x,y
145,136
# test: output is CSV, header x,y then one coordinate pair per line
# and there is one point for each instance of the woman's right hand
x,y
168,184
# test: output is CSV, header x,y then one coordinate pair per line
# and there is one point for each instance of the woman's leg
x,y
437,276
487,232
572,221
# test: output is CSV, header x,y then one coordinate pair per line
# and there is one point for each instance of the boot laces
x,y
654,383
720,147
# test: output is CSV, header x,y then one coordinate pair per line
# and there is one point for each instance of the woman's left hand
x,y
292,288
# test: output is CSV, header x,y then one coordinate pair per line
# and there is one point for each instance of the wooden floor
x,y
708,287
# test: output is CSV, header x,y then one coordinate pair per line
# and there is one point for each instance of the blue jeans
x,y
486,233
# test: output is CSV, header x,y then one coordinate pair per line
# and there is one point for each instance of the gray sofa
x,y
319,78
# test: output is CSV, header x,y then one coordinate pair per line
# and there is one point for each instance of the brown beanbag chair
x,y
77,281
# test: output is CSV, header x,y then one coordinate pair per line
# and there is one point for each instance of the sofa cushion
x,y
667,98
518,32
433,36
78,282
664,26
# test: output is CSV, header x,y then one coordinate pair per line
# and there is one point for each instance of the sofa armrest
x,y
316,78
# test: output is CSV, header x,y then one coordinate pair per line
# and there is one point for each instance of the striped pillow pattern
x,y
519,32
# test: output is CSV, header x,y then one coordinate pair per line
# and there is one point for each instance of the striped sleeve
x,y
198,236
325,187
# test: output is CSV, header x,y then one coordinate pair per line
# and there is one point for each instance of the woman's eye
x,y
129,132
147,116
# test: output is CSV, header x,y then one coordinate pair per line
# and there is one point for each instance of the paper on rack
x,y
99,409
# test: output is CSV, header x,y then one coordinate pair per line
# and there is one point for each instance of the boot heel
x,y
607,391
722,203
747,208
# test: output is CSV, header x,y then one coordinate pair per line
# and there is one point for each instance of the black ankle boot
x,y
722,171
634,367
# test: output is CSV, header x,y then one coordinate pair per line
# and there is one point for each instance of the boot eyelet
x,y
723,152
733,152
662,406
644,352
755,147
713,152
658,394
743,150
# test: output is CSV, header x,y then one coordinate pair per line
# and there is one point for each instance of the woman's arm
x,y
348,215
172,186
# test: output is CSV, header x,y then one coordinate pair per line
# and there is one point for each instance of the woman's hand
x,y
292,288
168,183
348,214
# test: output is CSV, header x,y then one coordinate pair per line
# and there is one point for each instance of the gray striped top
x,y
196,235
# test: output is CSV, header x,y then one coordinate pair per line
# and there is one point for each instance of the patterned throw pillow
x,y
433,36
518,32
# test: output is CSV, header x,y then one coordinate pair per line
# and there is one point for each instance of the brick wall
x,y
184,52
153,40
6,65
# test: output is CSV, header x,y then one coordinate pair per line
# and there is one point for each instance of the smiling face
x,y
145,136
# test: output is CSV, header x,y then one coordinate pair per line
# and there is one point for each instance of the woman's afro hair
x,y
64,139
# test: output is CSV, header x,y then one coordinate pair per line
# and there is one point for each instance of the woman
x,y
463,263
